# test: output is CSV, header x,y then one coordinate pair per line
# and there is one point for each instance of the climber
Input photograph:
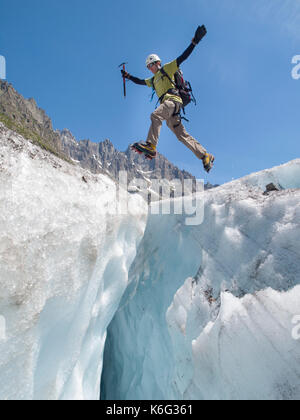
x,y
171,102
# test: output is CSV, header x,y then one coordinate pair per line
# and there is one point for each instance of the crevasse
x,y
194,312
211,310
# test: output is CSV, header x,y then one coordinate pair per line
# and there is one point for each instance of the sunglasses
x,y
151,65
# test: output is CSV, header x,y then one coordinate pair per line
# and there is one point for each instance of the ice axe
x,y
124,80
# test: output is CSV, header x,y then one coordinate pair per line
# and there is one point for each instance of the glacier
x,y
140,304
64,261
209,310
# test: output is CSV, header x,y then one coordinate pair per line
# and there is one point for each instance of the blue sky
x,y
65,54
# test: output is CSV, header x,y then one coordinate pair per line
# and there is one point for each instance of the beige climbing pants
x,y
165,112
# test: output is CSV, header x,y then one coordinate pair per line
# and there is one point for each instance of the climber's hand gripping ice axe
x,y
124,80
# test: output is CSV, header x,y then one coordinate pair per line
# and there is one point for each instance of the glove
x,y
200,33
125,75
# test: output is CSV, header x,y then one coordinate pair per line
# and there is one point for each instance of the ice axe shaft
x,y
124,80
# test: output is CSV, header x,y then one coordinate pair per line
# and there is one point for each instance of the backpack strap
x,y
153,89
173,91
152,81
164,73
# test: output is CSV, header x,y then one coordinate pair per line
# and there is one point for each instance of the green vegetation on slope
x,y
30,135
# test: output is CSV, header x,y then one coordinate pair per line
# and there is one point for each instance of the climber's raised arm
x,y
200,33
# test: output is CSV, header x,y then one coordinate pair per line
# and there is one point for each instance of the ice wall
x,y
200,311
210,308
64,259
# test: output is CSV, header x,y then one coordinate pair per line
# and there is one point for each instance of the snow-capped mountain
x,y
104,158
25,117
208,310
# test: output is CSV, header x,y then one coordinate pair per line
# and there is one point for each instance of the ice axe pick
x,y
124,80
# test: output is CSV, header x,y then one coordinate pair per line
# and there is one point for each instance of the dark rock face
x,y
104,157
24,116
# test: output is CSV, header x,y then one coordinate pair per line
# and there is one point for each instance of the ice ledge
x,y
285,176
216,301
64,262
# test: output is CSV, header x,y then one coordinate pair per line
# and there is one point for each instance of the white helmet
x,y
153,58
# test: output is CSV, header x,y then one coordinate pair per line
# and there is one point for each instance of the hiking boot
x,y
208,161
148,149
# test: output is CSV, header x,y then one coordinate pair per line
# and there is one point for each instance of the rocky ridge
x,y
26,118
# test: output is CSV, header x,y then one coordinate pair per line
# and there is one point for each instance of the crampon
x,y
144,149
